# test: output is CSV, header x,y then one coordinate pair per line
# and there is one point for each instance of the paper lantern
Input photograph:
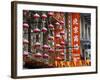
x,y
62,54
57,36
44,16
25,25
44,29
62,33
37,44
50,13
38,55
36,30
25,41
46,46
58,45
62,43
58,58
62,22
45,56
36,16
50,38
50,26
26,53
51,50
57,24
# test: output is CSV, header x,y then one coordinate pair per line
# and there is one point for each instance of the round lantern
x,y
50,13
62,33
25,41
36,30
50,26
58,45
25,25
62,54
38,55
46,46
57,36
37,44
57,24
36,16
62,22
26,53
50,38
45,56
44,29
44,16
58,58
51,50
62,43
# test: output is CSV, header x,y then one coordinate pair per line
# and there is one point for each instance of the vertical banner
x,y
76,36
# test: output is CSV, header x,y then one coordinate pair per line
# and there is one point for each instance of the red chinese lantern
x,y
62,22
57,24
36,16
58,45
57,36
50,13
44,29
38,55
50,38
26,53
62,33
46,46
36,30
51,50
44,16
62,43
50,26
62,54
37,44
25,25
25,41
45,56
58,58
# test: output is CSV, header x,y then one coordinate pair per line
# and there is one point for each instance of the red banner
x,y
76,36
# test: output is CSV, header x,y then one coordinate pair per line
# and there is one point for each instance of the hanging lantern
x,y
62,33
38,55
58,58
44,16
46,46
25,25
62,43
37,44
45,56
36,30
44,29
57,36
62,54
50,13
62,22
25,53
51,50
50,26
25,41
50,38
58,45
36,16
57,24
